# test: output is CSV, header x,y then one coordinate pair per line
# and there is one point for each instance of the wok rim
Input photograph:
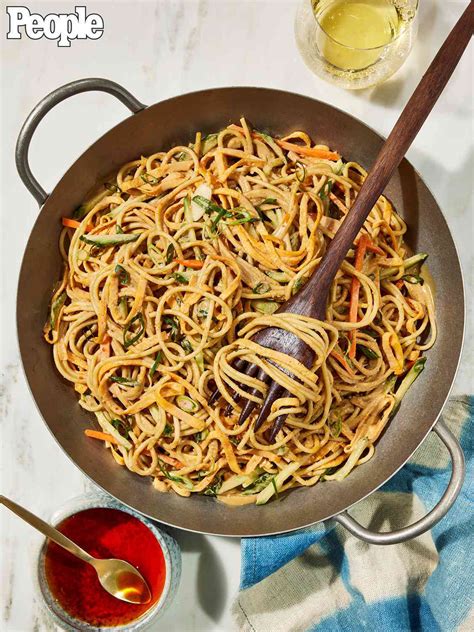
x,y
374,488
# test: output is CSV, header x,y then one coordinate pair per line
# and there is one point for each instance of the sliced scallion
x,y
149,179
124,380
187,404
155,364
183,480
130,338
123,275
170,253
413,278
368,352
261,288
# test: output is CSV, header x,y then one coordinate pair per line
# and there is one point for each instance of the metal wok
x,y
174,122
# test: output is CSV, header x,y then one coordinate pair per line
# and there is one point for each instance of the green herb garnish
x,y
123,275
413,278
186,345
211,207
168,430
183,480
155,364
80,212
369,353
175,330
170,253
267,137
336,427
113,188
207,205
268,201
133,337
222,213
124,380
180,278
209,137
260,483
149,179
260,212
200,436
242,217
122,427
214,487
261,288
370,332
300,172
326,189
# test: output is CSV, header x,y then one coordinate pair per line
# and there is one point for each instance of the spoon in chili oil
x,y
119,578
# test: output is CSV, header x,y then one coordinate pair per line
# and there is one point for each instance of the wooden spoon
x,y
311,300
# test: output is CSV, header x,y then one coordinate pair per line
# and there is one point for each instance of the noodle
x,y
170,271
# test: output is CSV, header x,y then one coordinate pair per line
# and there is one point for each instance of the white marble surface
x,y
157,50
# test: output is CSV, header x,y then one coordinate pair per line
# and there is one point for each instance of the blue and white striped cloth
x,y
324,579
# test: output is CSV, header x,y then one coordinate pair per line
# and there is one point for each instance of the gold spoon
x,y
117,577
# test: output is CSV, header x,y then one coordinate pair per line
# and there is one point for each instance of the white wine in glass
x,y
356,43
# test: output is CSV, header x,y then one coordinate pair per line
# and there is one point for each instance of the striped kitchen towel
x,y
325,579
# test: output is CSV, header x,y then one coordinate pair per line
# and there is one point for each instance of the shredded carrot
x,y
102,436
70,223
355,287
314,152
373,248
190,263
399,284
341,359
170,461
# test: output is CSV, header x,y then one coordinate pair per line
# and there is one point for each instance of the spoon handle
x,y
47,530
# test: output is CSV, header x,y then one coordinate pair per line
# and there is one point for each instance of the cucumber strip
x,y
275,485
85,208
352,460
266,307
238,479
278,275
407,264
56,308
408,380
107,427
199,357
109,240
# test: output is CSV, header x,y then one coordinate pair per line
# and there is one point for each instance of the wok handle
x,y
432,517
44,106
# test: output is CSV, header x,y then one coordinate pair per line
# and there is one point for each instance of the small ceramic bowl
x,y
171,553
